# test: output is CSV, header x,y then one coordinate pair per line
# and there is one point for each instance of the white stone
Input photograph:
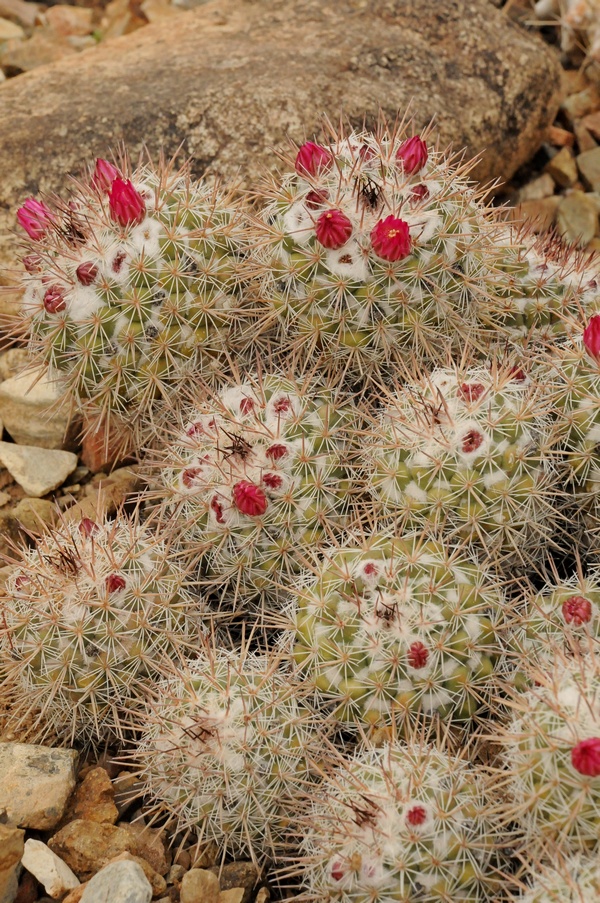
x,y
118,882
8,30
29,407
37,470
54,874
35,784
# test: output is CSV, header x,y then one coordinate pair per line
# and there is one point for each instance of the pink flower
x,y
114,583
127,206
591,338
585,757
104,175
272,480
54,299
333,229
391,238
276,452
311,158
36,218
86,273
471,391
471,441
577,610
416,816
413,155
418,655
249,498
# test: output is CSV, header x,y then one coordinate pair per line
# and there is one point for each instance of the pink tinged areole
x,y
36,218
127,206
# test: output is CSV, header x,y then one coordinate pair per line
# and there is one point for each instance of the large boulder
x,y
233,78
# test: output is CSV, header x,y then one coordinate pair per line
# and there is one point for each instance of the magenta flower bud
x,y
249,498
412,154
86,273
316,198
577,610
416,816
311,158
36,218
418,655
54,299
333,229
104,175
87,527
32,263
591,338
419,193
391,239
585,757
127,206
115,583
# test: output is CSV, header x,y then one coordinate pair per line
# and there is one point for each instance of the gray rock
x,y
199,886
119,882
589,167
54,874
255,72
35,784
37,470
537,189
28,407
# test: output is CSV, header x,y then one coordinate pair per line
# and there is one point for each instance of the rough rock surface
x,y
55,876
234,77
87,846
94,799
25,403
119,882
37,470
11,850
35,784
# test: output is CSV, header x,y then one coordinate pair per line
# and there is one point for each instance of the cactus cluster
x,y
466,451
89,616
400,823
395,626
575,881
132,285
256,476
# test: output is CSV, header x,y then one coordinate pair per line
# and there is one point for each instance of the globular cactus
x,y
397,625
404,824
224,752
552,754
575,881
466,450
372,247
255,479
89,616
131,285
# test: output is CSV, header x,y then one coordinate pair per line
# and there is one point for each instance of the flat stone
x,y
119,882
585,142
9,30
589,167
87,846
94,799
35,784
42,48
563,168
69,20
55,876
582,103
233,895
37,470
238,874
489,85
199,886
577,218
34,514
537,189
157,882
24,13
31,412
592,124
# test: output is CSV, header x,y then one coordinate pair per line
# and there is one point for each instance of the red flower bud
x,y
21,581
419,193
104,175
517,374
418,655
54,299
471,391
416,815
282,405
196,429
127,206
316,199
333,229
217,509
471,441
276,452
249,498
246,405
272,480
591,338
87,527
311,158
36,218
86,273
114,583
391,238
32,263
412,154
585,757
337,871
577,610
189,475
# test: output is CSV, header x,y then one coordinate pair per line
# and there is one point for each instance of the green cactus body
x,y
89,616
575,881
401,825
349,303
401,625
552,754
224,752
137,306
256,479
566,615
467,452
